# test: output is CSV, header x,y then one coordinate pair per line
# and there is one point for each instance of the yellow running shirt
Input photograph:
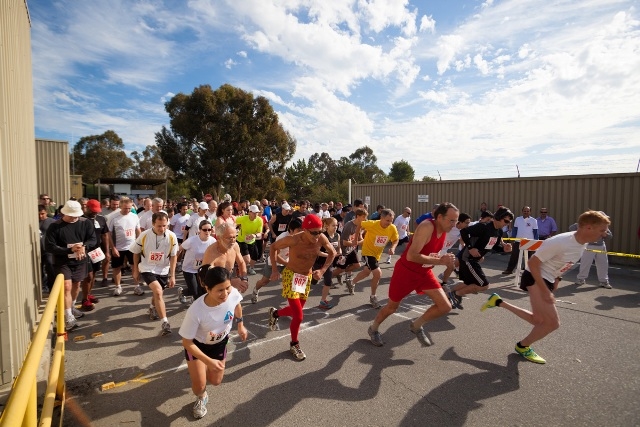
x,y
377,237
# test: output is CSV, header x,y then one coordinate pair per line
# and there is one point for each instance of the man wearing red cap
x,y
297,275
95,253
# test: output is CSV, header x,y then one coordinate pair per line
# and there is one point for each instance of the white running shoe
x,y
138,290
117,291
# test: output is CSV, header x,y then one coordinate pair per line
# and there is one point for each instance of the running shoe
x,y
138,290
117,291
105,282
254,297
456,301
605,285
420,335
491,302
530,355
153,314
580,282
251,272
93,299
165,329
200,407
373,300
181,296
87,305
325,305
507,272
76,313
375,337
350,286
297,353
273,320
70,324
388,260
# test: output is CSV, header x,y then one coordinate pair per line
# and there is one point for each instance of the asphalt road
x,y
470,376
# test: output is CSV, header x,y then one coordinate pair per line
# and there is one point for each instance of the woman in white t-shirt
x,y
205,333
193,250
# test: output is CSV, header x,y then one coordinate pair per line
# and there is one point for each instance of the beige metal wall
x,y
565,197
75,186
52,162
19,234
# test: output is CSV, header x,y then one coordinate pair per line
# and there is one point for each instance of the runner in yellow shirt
x,y
379,234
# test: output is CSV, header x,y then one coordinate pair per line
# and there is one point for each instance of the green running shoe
x,y
491,302
530,355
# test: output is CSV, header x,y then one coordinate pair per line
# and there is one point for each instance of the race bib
x,y
564,269
156,257
299,283
197,263
381,241
130,232
72,255
334,244
282,227
96,255
492,242
342,260
216,337
96,224
403,227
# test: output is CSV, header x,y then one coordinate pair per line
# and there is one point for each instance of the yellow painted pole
x,y
18,400
54,380
31,413
61,335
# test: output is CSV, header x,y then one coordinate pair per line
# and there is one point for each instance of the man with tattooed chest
x,y
297,274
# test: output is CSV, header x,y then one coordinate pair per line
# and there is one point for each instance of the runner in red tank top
x,y
414,272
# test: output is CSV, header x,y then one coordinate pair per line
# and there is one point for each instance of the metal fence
x,y
565,197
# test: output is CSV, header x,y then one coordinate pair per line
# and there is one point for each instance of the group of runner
x,y
306,247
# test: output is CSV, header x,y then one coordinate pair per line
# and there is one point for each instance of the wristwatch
x,y
238,319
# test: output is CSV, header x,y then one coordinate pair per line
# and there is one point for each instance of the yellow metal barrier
x,y
21,408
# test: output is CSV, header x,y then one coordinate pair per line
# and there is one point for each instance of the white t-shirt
x,y
123,229
145,219
452,238
155,251
194,224
284,252
210,325
195,247
402,224
558,254
525,227
179,222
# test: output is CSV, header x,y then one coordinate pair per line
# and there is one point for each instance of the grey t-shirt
x,y
348,229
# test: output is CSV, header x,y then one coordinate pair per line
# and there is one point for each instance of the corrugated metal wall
x,y
52,161
565,197
19,234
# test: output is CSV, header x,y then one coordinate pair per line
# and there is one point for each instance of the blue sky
x,y
463,89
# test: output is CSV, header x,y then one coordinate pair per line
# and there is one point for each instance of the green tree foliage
x,y
299,180
97,156
149,164
363,165
427,178
224,137
401,171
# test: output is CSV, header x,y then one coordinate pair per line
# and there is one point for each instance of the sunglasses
x,y
506,221
206,229
543,211
315,233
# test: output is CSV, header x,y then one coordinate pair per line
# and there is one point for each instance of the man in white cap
x,y
67,239
193,223
249,229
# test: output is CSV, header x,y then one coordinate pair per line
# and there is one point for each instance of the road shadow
x,y
450,403
273,402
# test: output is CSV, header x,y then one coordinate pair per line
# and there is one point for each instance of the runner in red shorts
x,y
414,272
